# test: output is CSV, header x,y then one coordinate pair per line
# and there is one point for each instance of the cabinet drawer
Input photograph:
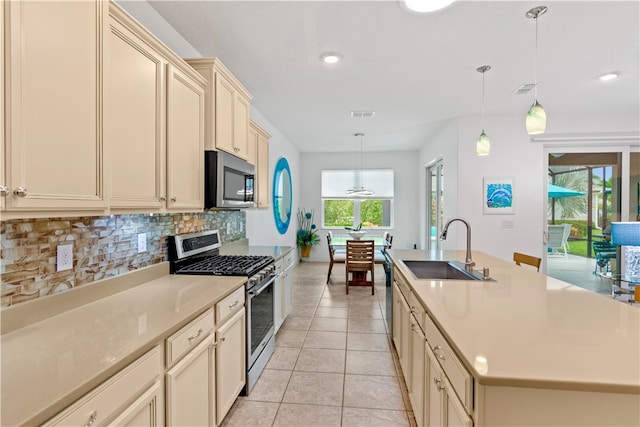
x,y
416,309
288,259
280,265
402,283
111,397
459,377
229,305
186,338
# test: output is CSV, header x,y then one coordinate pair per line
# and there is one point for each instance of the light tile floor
x,y
333,364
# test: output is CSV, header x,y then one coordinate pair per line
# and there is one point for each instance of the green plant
x,y
307,231
354,228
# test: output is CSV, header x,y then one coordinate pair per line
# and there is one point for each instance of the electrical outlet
x,y
65,257
228,228
142,242
142,324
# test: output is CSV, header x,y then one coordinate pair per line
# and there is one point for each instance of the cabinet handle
x,y
20,192
223,339
193,337
173,199
4,191
234,304
441,357
163,199
438,384
92,419
436,348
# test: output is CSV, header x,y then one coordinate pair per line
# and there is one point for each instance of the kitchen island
x,y
538,351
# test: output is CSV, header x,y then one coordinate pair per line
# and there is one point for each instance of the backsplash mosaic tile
x,y
104,246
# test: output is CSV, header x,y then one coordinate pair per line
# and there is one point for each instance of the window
x,y
340,210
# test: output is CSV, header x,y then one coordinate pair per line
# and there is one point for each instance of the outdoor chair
x,y
558,238
335,257
604,253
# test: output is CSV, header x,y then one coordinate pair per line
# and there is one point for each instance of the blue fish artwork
x,y
499,195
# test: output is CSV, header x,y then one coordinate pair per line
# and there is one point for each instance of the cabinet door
x,y
190,392
225,94
4,190
416,392
147,410
288,292
135,126
185,141
230,363
252,147
278,306
434,388
405,326
54,100
262,171
397,319
455,414
241,125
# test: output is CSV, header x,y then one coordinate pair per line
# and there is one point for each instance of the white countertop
x,y
527,329
50,363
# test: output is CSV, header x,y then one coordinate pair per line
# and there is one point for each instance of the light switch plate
x,y
142,242
507,223
64,259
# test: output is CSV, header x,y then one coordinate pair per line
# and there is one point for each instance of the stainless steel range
x,y
198,253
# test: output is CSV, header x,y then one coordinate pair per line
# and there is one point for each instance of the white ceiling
x,y
413,70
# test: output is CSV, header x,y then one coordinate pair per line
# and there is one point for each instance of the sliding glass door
x,y
435,204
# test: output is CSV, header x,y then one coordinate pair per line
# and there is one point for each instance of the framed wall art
x,y
497,196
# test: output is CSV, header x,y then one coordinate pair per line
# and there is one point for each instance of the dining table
x,y
339,242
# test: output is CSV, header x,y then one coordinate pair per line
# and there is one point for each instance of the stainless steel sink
x,y
449,270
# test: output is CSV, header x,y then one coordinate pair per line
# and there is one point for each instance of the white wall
x,y
406,192
261,226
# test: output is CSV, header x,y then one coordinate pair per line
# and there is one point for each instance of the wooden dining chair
x,y
533,261
360,259
335,257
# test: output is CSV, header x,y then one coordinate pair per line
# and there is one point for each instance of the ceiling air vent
x,y
524,88
362,114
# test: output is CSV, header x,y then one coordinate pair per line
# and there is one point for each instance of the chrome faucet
x,y
468,263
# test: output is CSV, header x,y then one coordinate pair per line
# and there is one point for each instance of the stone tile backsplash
x,y
104,246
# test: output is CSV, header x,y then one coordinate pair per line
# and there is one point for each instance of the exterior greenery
x,y
340,213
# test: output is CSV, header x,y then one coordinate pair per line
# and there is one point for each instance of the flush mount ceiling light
x,y
425,6
358,189
536,117
609,76
483,146
331,57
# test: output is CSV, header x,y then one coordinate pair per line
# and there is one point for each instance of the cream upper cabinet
x,y
185,141
226,108
53,94
4,190
252,153
230,363
262,166
135,116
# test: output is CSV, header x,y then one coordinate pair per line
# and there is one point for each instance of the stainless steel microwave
x,y
229,181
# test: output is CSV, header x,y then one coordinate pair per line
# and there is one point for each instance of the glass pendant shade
x,y
483,146
536,119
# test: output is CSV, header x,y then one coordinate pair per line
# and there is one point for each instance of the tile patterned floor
x,y
333,364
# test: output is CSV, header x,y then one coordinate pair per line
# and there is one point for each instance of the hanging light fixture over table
x,y
483,146
536,117
358,189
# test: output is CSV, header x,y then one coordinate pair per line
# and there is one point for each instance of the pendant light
x,y
358,189
483,146
536,117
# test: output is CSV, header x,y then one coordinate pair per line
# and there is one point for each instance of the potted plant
x,y
307,232
356,232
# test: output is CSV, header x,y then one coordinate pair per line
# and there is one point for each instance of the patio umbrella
x,y
555,191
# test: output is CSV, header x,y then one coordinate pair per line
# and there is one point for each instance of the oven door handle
x,y
254,293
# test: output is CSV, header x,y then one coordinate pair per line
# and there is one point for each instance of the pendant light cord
x,y
483,101
535,65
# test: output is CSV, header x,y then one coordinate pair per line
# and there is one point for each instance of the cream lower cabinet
x,y
53,94
190,392
443,407
230,363
133,396
417,389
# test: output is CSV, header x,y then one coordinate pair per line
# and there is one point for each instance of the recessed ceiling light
x,y
425,6
609,76
331,57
